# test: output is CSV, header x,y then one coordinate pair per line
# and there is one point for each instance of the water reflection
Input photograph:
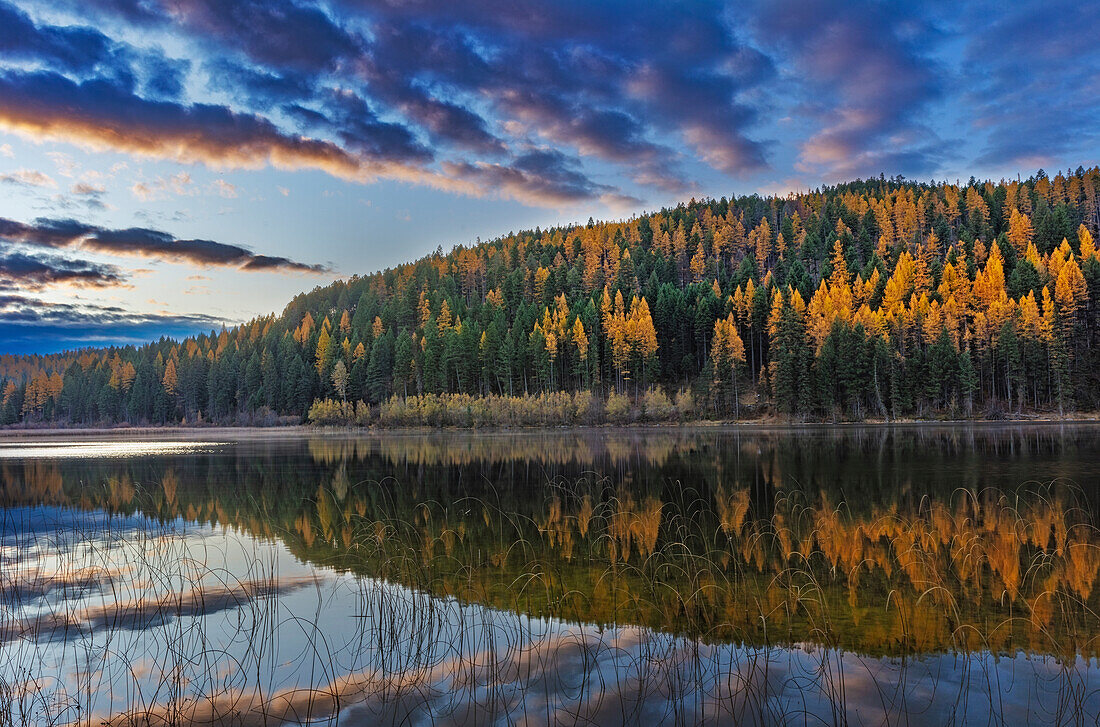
x,y
607,576
97,449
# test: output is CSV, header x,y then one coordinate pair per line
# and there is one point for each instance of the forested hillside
x,y
885,298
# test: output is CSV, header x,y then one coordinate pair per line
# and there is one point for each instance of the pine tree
x,y
728,359
1019,231
321,352
340,380
170,381
403,363
379,368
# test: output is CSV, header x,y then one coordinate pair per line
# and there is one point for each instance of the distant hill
x,y
873,298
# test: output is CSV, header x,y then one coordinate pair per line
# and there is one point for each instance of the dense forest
x,y
883,298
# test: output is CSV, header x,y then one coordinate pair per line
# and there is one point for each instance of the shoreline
x,y
296,430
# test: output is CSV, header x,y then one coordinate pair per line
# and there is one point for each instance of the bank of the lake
x,y
225,432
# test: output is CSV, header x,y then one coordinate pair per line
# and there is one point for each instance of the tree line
x,y
878,298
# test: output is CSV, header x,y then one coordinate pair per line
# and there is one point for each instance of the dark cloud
x,y
678,66
33,325
100,113
1032,81
164,77
263,89
487,78
349,117
538,177
18,307
607,133
269,263
280,33
453,94
444,120
20,271
390,66
87,52
701,104
868,68
147,243
49,233
69,48
139,12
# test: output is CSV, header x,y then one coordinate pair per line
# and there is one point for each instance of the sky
x,y
172,166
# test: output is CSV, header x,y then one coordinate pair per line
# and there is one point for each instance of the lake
x,y
861,575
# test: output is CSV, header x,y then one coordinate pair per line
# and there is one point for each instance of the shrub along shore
x,y
559,408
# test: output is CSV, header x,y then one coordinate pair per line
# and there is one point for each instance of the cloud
x,y
146,243
33,325
88,194
354,122
5,151
101,115
87,189
179,184
144,192
379,80
142,242
1031,82
280,33
606,133
537,177
263,89
81,194
98,114
224,189
867,77
445,120
65,164
28,178
702,106
677,66
387,69
164,77
453,95
71,48
84,51
19,271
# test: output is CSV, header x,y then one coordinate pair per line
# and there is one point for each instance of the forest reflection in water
x,y
606,575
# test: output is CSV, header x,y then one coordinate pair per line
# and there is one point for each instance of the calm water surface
x,y
861,575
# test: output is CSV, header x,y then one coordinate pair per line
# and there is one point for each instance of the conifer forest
x,y
881,299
